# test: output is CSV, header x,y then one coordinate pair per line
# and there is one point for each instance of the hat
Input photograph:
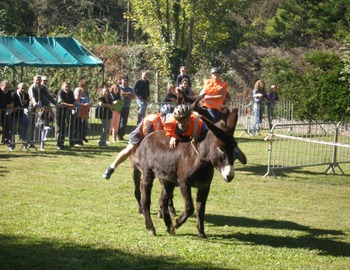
x,y
182,68
125,78
215,70
44,78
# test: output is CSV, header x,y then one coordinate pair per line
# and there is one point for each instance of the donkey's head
x,y
223,146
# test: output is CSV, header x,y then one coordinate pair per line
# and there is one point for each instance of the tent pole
x,y
14,77
103,74
21,73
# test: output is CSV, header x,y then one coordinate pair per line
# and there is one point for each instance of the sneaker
x,y
101,143
11,146
85,139
121,139
59,147
107,174
29,145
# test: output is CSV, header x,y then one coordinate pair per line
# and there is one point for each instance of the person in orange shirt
x,y
214,91
184,125
150,123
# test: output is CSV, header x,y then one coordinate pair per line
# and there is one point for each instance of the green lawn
x,y
57,212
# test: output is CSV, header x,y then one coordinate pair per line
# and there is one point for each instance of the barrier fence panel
x,y
34,128
283,113
308,144
41,125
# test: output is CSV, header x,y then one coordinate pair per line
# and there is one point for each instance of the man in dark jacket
x,y
142,92
6,106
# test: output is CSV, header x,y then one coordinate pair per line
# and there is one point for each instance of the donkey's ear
x,y
195,105
232,120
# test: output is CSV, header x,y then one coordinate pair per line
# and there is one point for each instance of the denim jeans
x,y
105,132
214,115
124,114
270,113
257,110
142,105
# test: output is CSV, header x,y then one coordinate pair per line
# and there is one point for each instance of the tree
x,y
16,17
74,14
182,31
298,22
312,83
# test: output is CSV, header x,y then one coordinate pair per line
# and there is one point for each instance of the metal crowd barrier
x,y
36,127
42,124
283,113
308,144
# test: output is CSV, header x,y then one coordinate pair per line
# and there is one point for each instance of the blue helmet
x,y
165,109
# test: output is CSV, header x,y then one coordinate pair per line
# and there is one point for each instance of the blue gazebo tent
x,y
45,52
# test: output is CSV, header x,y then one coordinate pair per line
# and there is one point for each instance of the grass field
x,y
57,212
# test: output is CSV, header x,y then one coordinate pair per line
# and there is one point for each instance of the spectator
x,y
47,115
183,74
40,109
64,116
105,101
45,82
47,100
21,118
77,119
127,94
114,123
84,108
6,106
150,123
142,93
259,95
170,95
214,92
184,92
272,100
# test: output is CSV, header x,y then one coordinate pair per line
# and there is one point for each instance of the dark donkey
x,y
185,166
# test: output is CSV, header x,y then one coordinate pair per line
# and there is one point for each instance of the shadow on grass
x,y
85,151
254,169
299,172
26,253
316,239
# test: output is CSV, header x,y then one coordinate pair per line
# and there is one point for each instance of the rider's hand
x,y
172,142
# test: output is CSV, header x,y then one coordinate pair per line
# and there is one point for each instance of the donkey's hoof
x,y
202,235
171,230
160,215
152,232
172,211
177,224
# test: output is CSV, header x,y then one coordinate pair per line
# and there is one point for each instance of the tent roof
x,y
45,52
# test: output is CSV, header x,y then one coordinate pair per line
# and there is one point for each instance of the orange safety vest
x,y
156,121
213,88
194,130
